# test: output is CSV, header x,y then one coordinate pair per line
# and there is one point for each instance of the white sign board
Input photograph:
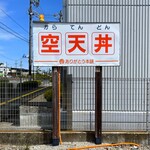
x,y
76,44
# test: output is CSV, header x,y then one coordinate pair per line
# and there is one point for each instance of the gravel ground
x,y
67,145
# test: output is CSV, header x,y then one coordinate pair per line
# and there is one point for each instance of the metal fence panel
x,y
125,88
134,21
125,104
22,104
127,109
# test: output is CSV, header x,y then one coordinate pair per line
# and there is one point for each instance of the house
x,y
4,70
12,72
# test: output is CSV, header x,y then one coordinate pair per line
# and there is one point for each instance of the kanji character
x,y
103,42
76,40
50,43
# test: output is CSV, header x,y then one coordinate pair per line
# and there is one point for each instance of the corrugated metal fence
x,y
125,88
134,22
125,103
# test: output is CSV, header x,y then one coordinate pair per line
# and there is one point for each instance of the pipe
x,y
104,145
59,114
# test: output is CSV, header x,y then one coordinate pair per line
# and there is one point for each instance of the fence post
x,y
147,111
69,102
56,106
98,105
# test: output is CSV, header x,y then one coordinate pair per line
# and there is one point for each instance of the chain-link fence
x,y
125,102
23,104
28,104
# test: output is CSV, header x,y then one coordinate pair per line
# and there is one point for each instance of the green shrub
x,y
48,95
39,82
3,81
6,89
28,85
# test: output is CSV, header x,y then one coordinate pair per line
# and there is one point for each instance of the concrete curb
x,y
108,137
45,137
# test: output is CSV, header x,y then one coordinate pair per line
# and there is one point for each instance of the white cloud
x,y
6,36
2,10
3,34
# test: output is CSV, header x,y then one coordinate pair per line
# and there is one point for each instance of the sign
x,y
76,44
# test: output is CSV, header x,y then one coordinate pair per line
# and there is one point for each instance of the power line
x,y
14,31
14,34
40,9
7,57
13,20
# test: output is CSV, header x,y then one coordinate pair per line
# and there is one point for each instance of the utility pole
x,y
60,16
31,13
30,37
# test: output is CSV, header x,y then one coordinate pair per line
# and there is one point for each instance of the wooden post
x,y
56,106
98,105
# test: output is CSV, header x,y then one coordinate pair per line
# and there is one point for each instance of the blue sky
x,y
12,48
